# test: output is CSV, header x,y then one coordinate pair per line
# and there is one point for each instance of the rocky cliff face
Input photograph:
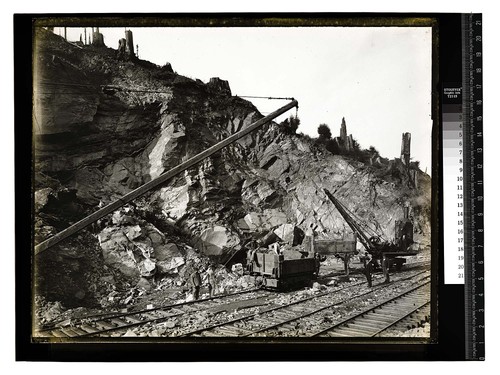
x,y
104,126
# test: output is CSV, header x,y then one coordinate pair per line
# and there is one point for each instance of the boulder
x,y
88,184
243,225
218,239
54,310
120,174
42,198
121,261
147,267
166,252
290,234
175,201
156,237
112,238
114,244
275,217
133,232
269,238
292,254
237,269
144,283
121,218
170,265
255,221
266,192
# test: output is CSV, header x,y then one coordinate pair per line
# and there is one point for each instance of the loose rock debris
x,y
142,254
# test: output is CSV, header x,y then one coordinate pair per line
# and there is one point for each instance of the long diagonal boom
x,y
159,180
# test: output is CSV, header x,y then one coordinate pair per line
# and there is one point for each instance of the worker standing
x,y
309,240
368,269
385,269
195,282
211,280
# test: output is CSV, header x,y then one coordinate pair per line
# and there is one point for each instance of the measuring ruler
x,y
462,145
472,79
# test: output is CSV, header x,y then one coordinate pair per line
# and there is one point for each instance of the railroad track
x,y
404,310
258,322
285,320
108,323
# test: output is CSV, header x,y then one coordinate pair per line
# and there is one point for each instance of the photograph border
x,y
226,349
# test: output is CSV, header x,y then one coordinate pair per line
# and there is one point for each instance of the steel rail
x,y
106,317
118,314
321,309
288,305
422,305
351,318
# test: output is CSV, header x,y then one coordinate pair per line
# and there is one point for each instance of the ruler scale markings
x,y
474,256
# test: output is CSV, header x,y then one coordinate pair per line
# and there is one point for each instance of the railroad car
x,y
278,273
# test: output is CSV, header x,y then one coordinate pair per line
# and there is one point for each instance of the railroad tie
x,y
118,321
376,318
105,325
89,329
210,333
369,325
79,331
58,333
131,319
150,316
69,332
263,321
231,331
352,331
162,314
174,312
340,333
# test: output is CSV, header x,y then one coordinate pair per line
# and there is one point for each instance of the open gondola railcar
x,y
278,273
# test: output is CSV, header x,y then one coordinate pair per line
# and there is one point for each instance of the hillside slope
x,y
105,125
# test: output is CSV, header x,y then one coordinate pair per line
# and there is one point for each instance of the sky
x,y
378,79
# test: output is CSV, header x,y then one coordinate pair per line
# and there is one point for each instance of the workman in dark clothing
x,y
368,270
385,269
195,282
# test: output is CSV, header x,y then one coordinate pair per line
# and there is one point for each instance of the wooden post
x,y
65,233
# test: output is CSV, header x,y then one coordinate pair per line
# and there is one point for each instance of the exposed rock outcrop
x,y
98,144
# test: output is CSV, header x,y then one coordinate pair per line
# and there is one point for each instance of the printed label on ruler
x,y
453,186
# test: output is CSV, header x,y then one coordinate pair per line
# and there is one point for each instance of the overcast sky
x,y
379,79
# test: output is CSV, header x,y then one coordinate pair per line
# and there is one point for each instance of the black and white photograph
x,y
203,179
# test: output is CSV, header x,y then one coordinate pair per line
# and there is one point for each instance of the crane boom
x,y
86,221
351,222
